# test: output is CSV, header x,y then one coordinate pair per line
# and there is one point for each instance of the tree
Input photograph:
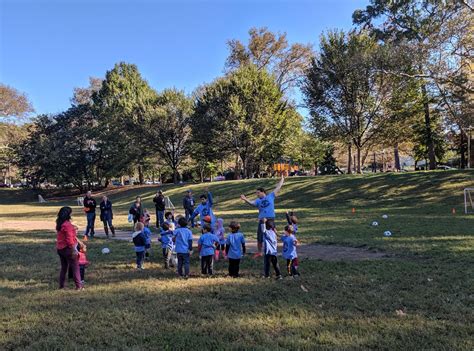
x,y
13,103
83,96
328,164
346,86
10,135
244,114
122,106
169,128
439,34
271,52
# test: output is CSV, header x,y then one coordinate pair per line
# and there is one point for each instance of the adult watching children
x,y
266,208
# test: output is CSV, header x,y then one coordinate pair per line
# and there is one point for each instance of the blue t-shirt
x,y
183,236
269,241
235,241
166,239
266,206
207,242
204,210
289,247
147,234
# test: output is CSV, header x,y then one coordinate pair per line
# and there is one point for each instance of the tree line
x,y
401,79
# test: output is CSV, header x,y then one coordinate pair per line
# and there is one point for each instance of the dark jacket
x,y
136,212
188,203
89,205
106,210
159,202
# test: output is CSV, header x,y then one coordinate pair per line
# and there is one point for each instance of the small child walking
x,y
206,246
146,218
83,262
270,248
167,245
235,248
292,220
220,233
139,241
183,239
289,251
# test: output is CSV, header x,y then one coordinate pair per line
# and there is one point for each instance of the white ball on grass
x,y
105,250
385,216
375,223
387,233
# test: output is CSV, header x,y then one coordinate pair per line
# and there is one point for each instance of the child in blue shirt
x,y
147,234
167,245
183,239
289,251
205,209
206,246
270,248
234,248
169,218
220,233
139,241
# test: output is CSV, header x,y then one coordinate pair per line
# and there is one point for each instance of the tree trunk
x,y
429,132
462,150
349,158
396,157
374,167
175,176
140,174
358,160
315,168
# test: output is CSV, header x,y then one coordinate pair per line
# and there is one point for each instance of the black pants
x,y
140,258
234,266
207,264
274,261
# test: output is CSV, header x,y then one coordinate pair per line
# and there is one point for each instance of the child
x,y
183,239
167,244
169,218
206,245
289,251
205,209
147,233
83,262
270,248
139,241
292,220
146,218
235,248
220,233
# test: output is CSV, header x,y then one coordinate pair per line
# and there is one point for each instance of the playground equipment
x,y
468,200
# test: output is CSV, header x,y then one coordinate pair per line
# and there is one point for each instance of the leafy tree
x,y
122,106
83,96
169,128
10,135
244,114
13,103
346,86
421,150
328,163
270,51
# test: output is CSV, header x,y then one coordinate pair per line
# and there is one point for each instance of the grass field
x,y
347,305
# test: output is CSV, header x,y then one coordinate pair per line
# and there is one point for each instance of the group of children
x,y
177,245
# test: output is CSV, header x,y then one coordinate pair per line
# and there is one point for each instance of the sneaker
x,y
279,277
83,282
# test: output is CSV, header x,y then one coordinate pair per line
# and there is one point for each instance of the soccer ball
x,y
384,216
387,233
375,223
105,250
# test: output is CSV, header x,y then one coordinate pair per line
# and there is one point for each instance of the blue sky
x,y
49,47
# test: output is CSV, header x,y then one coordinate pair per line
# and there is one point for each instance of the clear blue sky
x,y
49,47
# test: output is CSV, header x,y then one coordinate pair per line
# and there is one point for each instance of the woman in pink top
x,y
66,244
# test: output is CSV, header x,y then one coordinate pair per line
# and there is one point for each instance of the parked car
x,y
444,167
3,185
219,178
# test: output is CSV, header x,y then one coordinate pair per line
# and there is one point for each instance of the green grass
x,y
349,305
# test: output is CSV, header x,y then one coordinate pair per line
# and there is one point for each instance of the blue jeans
x,y
160,218
90,223
188,215
183,258
140,258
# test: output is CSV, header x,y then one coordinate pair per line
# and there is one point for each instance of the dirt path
x,y
311,251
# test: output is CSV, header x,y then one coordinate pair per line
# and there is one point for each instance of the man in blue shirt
x,y
205,208
266,208
183,239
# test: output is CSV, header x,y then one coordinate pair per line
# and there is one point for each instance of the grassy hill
x,y
347,305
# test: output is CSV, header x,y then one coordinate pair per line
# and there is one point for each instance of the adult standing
x,y
136,210
89,208
188,205
160,206
205,209
266,208
66,246
106,215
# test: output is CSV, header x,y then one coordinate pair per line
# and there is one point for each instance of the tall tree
x,y
436,30
346,86
13,103
169,130
270,51
122,106
83,96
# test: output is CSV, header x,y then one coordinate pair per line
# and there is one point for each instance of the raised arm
x,y
244,198
210,199
279,185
